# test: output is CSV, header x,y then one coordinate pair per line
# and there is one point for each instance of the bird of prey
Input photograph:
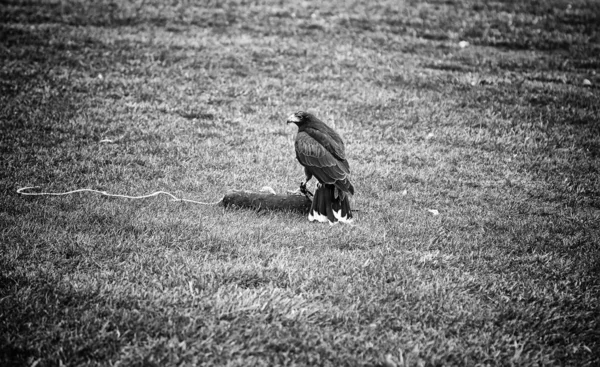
x,y
322,153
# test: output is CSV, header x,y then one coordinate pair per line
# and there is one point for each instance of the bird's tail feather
x,y
329,207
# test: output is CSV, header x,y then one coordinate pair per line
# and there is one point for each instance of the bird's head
x,y
300,118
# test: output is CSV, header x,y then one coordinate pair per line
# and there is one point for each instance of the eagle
x,y
322,153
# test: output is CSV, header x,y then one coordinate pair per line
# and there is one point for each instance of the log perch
x,y
267,201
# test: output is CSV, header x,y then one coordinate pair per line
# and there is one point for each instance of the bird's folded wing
x,y
319,160
333,146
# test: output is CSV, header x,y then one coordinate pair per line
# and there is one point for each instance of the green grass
x,y
502,138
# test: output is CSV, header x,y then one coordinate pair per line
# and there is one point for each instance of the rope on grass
x,y
157,193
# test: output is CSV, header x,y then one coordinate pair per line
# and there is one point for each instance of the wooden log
x,y
267,201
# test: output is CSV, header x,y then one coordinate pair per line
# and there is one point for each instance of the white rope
x,y
173,197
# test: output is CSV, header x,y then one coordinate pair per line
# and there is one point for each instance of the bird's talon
x,y
303,190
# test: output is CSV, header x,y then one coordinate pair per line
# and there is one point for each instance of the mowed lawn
x,y
476,168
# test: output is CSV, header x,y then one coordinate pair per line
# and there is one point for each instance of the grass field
x,y
501,138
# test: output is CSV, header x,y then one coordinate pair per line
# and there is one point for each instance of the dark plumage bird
x,y
322,153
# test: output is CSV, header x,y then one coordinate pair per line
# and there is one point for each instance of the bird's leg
x,y
303,188
305,191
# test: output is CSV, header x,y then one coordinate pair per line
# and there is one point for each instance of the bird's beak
x,y
293,119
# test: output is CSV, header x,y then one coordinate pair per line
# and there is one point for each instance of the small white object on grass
x,y
463,44
268,189
389,361
110,141
586,82
191,287
433,211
